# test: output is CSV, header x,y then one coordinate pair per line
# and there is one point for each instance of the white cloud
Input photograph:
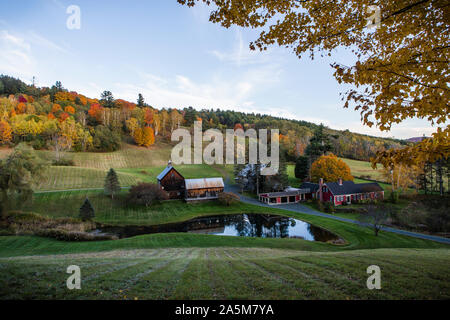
x,y
241,54
15,56
38,40
18,53
182,91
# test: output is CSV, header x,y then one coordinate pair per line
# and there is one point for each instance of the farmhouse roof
x,y
204,183
349,187
166,171
313,187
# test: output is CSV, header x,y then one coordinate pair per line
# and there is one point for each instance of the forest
x,y
61,120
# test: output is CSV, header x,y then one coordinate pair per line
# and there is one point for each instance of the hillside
x,y
57,118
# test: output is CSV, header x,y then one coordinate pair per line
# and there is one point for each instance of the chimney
x,y
169,164
340,181
320,181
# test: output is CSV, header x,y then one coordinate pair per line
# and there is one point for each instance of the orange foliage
x,y
70,109
125,105
330,168
21,108
148,117
56,107
95,111
64,96
51,116
5,132
63,116
83,99
144,136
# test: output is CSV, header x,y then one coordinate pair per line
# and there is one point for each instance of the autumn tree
x,y
401,177
132,124
228,198
145,194
165,118
330,168
401,51
175,119
144,136
112,185
5,132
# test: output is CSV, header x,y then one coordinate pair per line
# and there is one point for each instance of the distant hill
x,y
37,114
416,139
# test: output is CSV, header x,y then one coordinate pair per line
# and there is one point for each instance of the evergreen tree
x,y
140,100
301,168
87,211
112,185
107,99
319,144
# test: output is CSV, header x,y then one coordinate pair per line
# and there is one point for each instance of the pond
x,y
242,225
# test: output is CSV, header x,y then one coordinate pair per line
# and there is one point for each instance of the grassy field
x,y
229,273
364,168
66,178
358,169
195,266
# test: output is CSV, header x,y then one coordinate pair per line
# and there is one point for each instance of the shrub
x,y
106,139
64,235
329,207
63,163
146,194
228,198
394,197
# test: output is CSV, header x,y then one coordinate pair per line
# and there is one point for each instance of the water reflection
x,y
243,225
261,226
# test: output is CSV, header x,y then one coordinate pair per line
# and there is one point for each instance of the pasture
x,y
229,273
196,266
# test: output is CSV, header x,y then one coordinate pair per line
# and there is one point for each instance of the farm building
x,y
344,192
177,187
171,181
290,195
203,189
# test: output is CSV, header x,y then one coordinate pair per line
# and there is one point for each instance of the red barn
x,y
171,181
341,192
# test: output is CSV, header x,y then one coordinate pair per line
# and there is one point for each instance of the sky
x,y
176,58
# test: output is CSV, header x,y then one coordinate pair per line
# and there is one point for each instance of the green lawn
x,y
62,178
363,168
229,273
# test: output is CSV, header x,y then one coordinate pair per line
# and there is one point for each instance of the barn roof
x,y
166,171
349,187
204,183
